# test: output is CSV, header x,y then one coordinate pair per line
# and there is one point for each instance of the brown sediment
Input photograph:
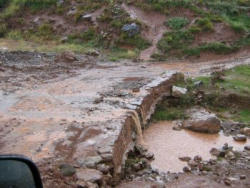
x,y
168,145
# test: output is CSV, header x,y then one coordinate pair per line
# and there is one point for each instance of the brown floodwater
x,y
168,145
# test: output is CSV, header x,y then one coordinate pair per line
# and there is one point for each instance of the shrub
x,y
3,30
177,23
205,24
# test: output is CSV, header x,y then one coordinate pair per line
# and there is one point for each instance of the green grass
x,y
116,54
243,116
177,23
170,113
14,6
215,47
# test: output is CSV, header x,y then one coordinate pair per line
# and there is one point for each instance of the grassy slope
x,y
177,41
108,38
235,81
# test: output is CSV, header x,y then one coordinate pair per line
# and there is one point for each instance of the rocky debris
x,y
247,147
89,175
186,158
93,53
233,128
91,162
245,131
67,57
178,91
240,138
131,29
64,39
201,120
198,83
67,170
87,17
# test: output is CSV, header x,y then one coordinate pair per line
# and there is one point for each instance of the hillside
x,y
128,29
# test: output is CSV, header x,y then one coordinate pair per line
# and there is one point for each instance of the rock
x,y
91,162
89,175
245,131
107,157
230,155
186,159
93,53
67,170
242,177
72,11
67,57
87,17
198,83
149,155
178,91
197,158
103,168
192,164
217,153
131,29
186,169
81,184
202,121
247,147
229,180
176,128
64,39
240,138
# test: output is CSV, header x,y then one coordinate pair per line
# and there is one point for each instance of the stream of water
x,y
168,145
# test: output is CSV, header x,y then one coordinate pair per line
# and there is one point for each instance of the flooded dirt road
x,y
168,145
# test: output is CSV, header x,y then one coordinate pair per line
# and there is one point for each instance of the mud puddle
x,y
168,145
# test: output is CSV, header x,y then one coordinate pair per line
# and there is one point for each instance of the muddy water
x,y
168,145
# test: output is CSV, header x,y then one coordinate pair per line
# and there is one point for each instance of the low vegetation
x,y
180,40
227,93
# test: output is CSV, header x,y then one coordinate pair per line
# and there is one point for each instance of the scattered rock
x,y
176,128
245,131
186,159
202,121
247,147
91,162
178,91
67,170
192,164
64,39
103,168
149,155
230,155
67,57
198,83
242,177
197,158
186,169
89,175
240,138
93,53
87,17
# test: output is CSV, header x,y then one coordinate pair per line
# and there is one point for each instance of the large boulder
x,y
201,120
131,29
